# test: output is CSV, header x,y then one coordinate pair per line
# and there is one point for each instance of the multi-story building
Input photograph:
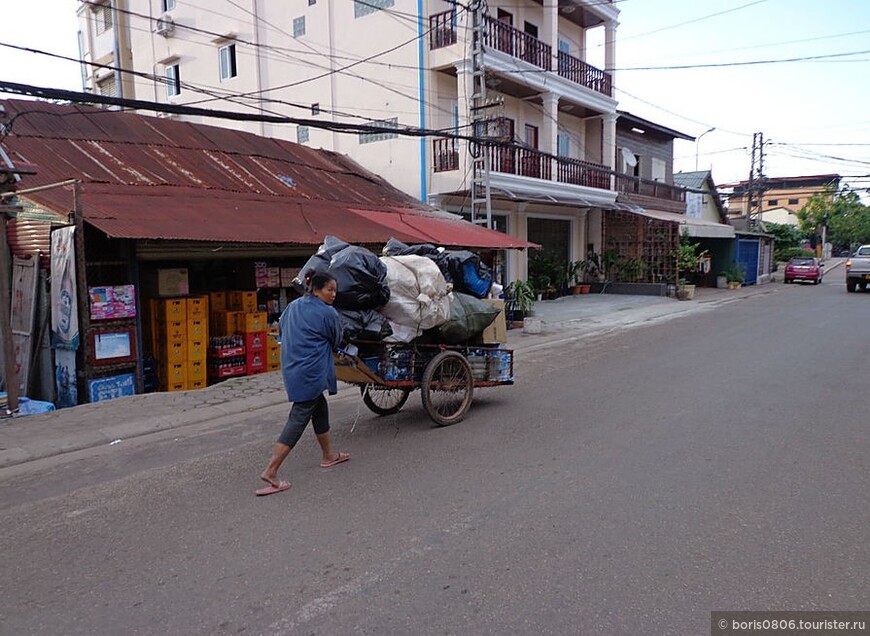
x,y
399,63
781,197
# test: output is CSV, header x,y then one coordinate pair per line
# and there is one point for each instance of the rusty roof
x,y
159,178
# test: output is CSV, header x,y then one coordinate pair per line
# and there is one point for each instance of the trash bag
x,y
468,273
395,247
363,324
419,295
360,276
361,279
469,316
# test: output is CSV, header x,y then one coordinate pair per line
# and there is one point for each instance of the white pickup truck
x,y
858,269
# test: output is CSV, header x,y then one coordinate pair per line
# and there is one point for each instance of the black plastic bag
x,y
361,279
363,324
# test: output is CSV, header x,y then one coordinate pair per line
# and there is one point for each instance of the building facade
x,y
781,198
399,63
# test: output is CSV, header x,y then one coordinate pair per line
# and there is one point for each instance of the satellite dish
x,y
628,157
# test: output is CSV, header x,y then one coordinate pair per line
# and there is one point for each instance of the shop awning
x,y
697,228
186,214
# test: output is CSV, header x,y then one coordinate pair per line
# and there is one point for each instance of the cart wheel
x,y
447,388
384,400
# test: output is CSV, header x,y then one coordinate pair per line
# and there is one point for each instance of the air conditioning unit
x,y
165,26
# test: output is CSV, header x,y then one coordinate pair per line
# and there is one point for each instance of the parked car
x,y
803,268
858,269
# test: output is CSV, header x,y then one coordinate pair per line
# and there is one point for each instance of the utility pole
x,y
481,118
755,186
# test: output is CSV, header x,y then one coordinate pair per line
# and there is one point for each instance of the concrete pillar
x,y
463,97
550,30
608,140
550,130
610,47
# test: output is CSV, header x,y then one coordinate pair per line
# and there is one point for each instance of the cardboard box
x,y
217,301
224,322
173,352
172,373
197,307
170,309
288,274
196,370
242,301
171,331
112,302
197,349
496,333
165,282
251,321
197,328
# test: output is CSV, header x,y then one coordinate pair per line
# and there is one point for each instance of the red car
x,y
803,268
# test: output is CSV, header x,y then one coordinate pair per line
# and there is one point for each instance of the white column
x,y
610,46
550,129
550,30
608,143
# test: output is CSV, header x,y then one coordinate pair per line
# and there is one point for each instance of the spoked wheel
x,y
447,388
384,400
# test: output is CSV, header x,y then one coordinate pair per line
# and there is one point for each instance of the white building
x,y
404,63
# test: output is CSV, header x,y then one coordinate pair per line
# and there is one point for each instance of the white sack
x,y
401,333
419,294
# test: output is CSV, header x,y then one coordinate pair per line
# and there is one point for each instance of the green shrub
x,y
788,253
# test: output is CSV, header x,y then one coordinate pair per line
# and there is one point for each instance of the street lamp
x,y
698,144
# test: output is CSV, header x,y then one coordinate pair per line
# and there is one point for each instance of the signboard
x,y
112,387
694,203
25,275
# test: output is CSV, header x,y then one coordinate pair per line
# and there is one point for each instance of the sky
x,y
814,114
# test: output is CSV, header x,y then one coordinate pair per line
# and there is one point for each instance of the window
x,y
173,81
530,136
563,145
107,87
455,112
311,2
299,26
315,109
168,5
658,169
371,137
302,134
793,201
227,55
103,18
772,202
365,7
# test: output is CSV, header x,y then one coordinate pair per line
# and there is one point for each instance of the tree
x,y
847,219
786,238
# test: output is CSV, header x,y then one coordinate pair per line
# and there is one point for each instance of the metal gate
x,y
747,256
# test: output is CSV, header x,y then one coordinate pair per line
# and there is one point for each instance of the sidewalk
x,y
27,438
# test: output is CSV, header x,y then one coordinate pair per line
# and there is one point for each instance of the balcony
x,y
626,184
442,29
445,155
505,38
580,72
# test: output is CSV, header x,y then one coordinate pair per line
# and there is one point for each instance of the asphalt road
x,y
629,484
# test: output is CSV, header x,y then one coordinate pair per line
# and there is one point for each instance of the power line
x,y
694,20
807,58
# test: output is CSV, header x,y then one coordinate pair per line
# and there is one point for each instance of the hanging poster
x,y
64,308
112,387
65,378
25,275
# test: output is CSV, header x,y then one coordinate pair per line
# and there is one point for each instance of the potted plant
x,y
687,263
575,271
734,275
520,296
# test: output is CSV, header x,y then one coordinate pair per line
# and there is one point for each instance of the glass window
x,y
103,18
227,55
302,134
772,202
365,7
371,137
168,5
792,201
563,142
299,26
173,81
315,109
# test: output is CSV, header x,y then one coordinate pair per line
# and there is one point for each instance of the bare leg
x,y
325,442
279,454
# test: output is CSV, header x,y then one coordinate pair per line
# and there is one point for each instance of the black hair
x,y
317,280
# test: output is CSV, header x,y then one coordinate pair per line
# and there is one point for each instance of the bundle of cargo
x,y
401,297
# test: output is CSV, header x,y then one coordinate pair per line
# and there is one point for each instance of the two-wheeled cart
x,y
445,374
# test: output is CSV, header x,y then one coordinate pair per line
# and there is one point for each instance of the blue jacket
x,y
310,331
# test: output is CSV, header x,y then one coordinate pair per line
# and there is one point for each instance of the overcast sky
x,y
815,114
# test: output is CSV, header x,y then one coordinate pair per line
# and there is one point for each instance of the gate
x,y
747,256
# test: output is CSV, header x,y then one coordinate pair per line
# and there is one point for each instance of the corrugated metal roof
x,y
158,178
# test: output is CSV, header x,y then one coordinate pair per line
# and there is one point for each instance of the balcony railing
x,y
445,155
442,29
505,38
634,185
527,162
585,173
580,72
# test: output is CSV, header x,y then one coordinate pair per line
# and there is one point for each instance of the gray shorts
x,y
315,411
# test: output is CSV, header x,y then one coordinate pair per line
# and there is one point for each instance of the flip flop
x,y
271,490
342,457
